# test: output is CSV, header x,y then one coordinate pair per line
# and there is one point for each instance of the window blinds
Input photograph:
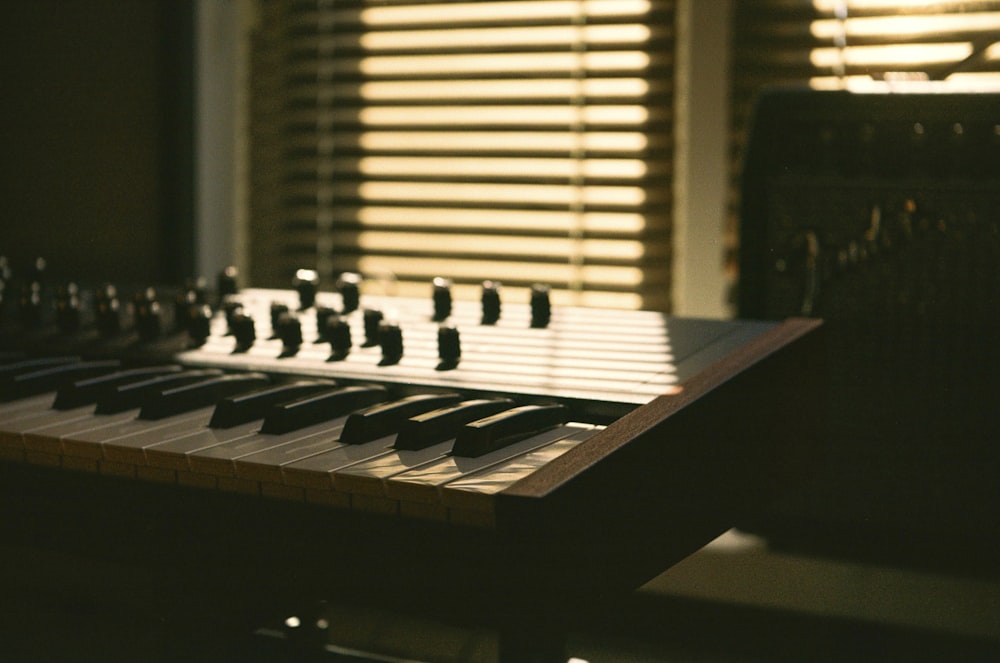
x,y
519,140
855,44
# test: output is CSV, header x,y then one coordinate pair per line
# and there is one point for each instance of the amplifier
x,y
880,213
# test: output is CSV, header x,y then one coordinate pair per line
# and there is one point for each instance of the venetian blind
x,y
520,140
861,45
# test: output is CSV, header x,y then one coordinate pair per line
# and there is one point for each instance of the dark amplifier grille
x,y
881,215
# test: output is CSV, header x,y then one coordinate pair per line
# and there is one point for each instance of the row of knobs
x,y
28,302
332,328
306,283
70,311
107,311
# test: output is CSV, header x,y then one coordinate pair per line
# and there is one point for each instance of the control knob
x,y
241,326
289,330
68,309
541,306
449,347
227,282
390,337
373,322
306,283
442,299
199,324
31,303
277,310
108,311
148,317
323,316
349,287
230,308
186,303
490,302
338,334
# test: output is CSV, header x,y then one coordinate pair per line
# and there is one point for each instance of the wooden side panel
x,y
661,482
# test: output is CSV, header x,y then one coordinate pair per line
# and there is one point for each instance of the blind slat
x,y
507,137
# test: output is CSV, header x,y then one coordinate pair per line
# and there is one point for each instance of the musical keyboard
x,y
575,458
321,462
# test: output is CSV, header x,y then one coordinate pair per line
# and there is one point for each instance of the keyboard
x,y
578,456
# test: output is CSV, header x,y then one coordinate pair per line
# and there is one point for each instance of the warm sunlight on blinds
x,y
905,40
516,140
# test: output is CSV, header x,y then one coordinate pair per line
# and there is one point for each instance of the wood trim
x,y
650,418
663,481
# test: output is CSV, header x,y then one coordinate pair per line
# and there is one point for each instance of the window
x,y
518,140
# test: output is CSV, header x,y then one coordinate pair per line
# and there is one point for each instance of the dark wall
x,y
95,137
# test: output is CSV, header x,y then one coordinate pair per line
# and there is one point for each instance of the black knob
x,y
199,324
230,308
491,302
541,306
227,282
186,301
36,273
391,339
306,283
68,309
241,326
442,299
108,311
198,286
30,303
373,322
277,310
289,330
338,334
32,294
148,318
449,347
349,287
323,315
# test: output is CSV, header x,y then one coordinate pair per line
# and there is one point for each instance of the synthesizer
x,y
523,451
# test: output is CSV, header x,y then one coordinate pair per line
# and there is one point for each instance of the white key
x,y
220,459
424,483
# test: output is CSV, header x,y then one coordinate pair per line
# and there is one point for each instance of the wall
x,y
95,128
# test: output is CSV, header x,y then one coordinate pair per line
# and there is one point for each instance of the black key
x,y
286,417
423,430
505,428
89,391
131,396
382,420
190,397
52,377
21,366
243,408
